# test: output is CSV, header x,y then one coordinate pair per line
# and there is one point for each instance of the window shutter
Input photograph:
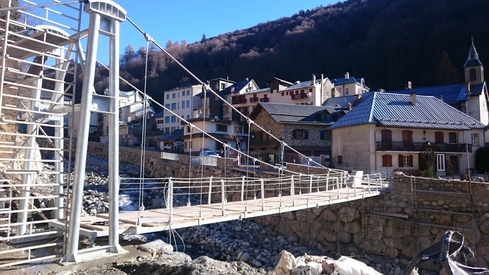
x,y
401,161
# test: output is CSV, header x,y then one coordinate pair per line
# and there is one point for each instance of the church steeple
x,y
474,70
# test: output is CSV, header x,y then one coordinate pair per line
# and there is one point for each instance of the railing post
x,y
262,186
327,183
223,198
209,197
310,184
292,190
338,186
368,184
242,188
170,200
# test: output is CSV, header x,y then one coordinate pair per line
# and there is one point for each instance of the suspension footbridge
x,y
44,47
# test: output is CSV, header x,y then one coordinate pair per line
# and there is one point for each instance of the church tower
x,y
473,68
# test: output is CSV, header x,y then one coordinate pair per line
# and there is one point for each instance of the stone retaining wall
x,y
412,216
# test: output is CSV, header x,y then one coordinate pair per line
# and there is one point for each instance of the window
x,y
221,128
386,160
406,161
183,93
340,159
183,104
173,119
440,162
223,86
325,135
173,95
174,106
475,139
386,139
439,137
472,75
167,96
452,137
347,91
300,134
167,119
188,103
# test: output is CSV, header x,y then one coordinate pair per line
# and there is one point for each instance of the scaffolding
x,y
41,59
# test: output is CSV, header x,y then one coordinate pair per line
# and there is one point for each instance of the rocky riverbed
x,y
236,247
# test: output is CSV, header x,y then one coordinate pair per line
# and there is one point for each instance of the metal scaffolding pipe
x,y
82,141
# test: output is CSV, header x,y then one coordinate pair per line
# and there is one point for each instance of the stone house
x,y
281,131
387,131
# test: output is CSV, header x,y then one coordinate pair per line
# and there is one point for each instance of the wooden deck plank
x,y
153,220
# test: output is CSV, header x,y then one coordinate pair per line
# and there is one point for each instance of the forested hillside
x,y
386,42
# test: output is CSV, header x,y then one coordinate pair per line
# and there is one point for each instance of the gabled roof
x,y
238,86
396,110
301,85
291,113
451,94
284,82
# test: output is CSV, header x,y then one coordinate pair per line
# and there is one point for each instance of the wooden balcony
x,y
422,146
239,100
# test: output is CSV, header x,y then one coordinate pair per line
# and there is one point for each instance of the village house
x,y
413,133
281,131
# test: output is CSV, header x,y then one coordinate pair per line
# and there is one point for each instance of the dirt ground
x,y
135,261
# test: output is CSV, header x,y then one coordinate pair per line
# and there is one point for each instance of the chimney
x,y
347,75
413,99
410,85
313,80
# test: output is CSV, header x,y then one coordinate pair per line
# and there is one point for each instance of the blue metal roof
x,y
451,94
396,110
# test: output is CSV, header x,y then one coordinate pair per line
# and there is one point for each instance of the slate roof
x,y
451,94
291,113
396,110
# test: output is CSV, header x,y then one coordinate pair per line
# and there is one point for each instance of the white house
x,y
387,131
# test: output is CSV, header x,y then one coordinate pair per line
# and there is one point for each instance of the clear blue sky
x,y
167,20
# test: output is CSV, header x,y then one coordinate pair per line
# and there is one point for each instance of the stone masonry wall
x,y
412,216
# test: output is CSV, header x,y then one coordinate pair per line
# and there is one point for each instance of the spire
x,y
473,58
